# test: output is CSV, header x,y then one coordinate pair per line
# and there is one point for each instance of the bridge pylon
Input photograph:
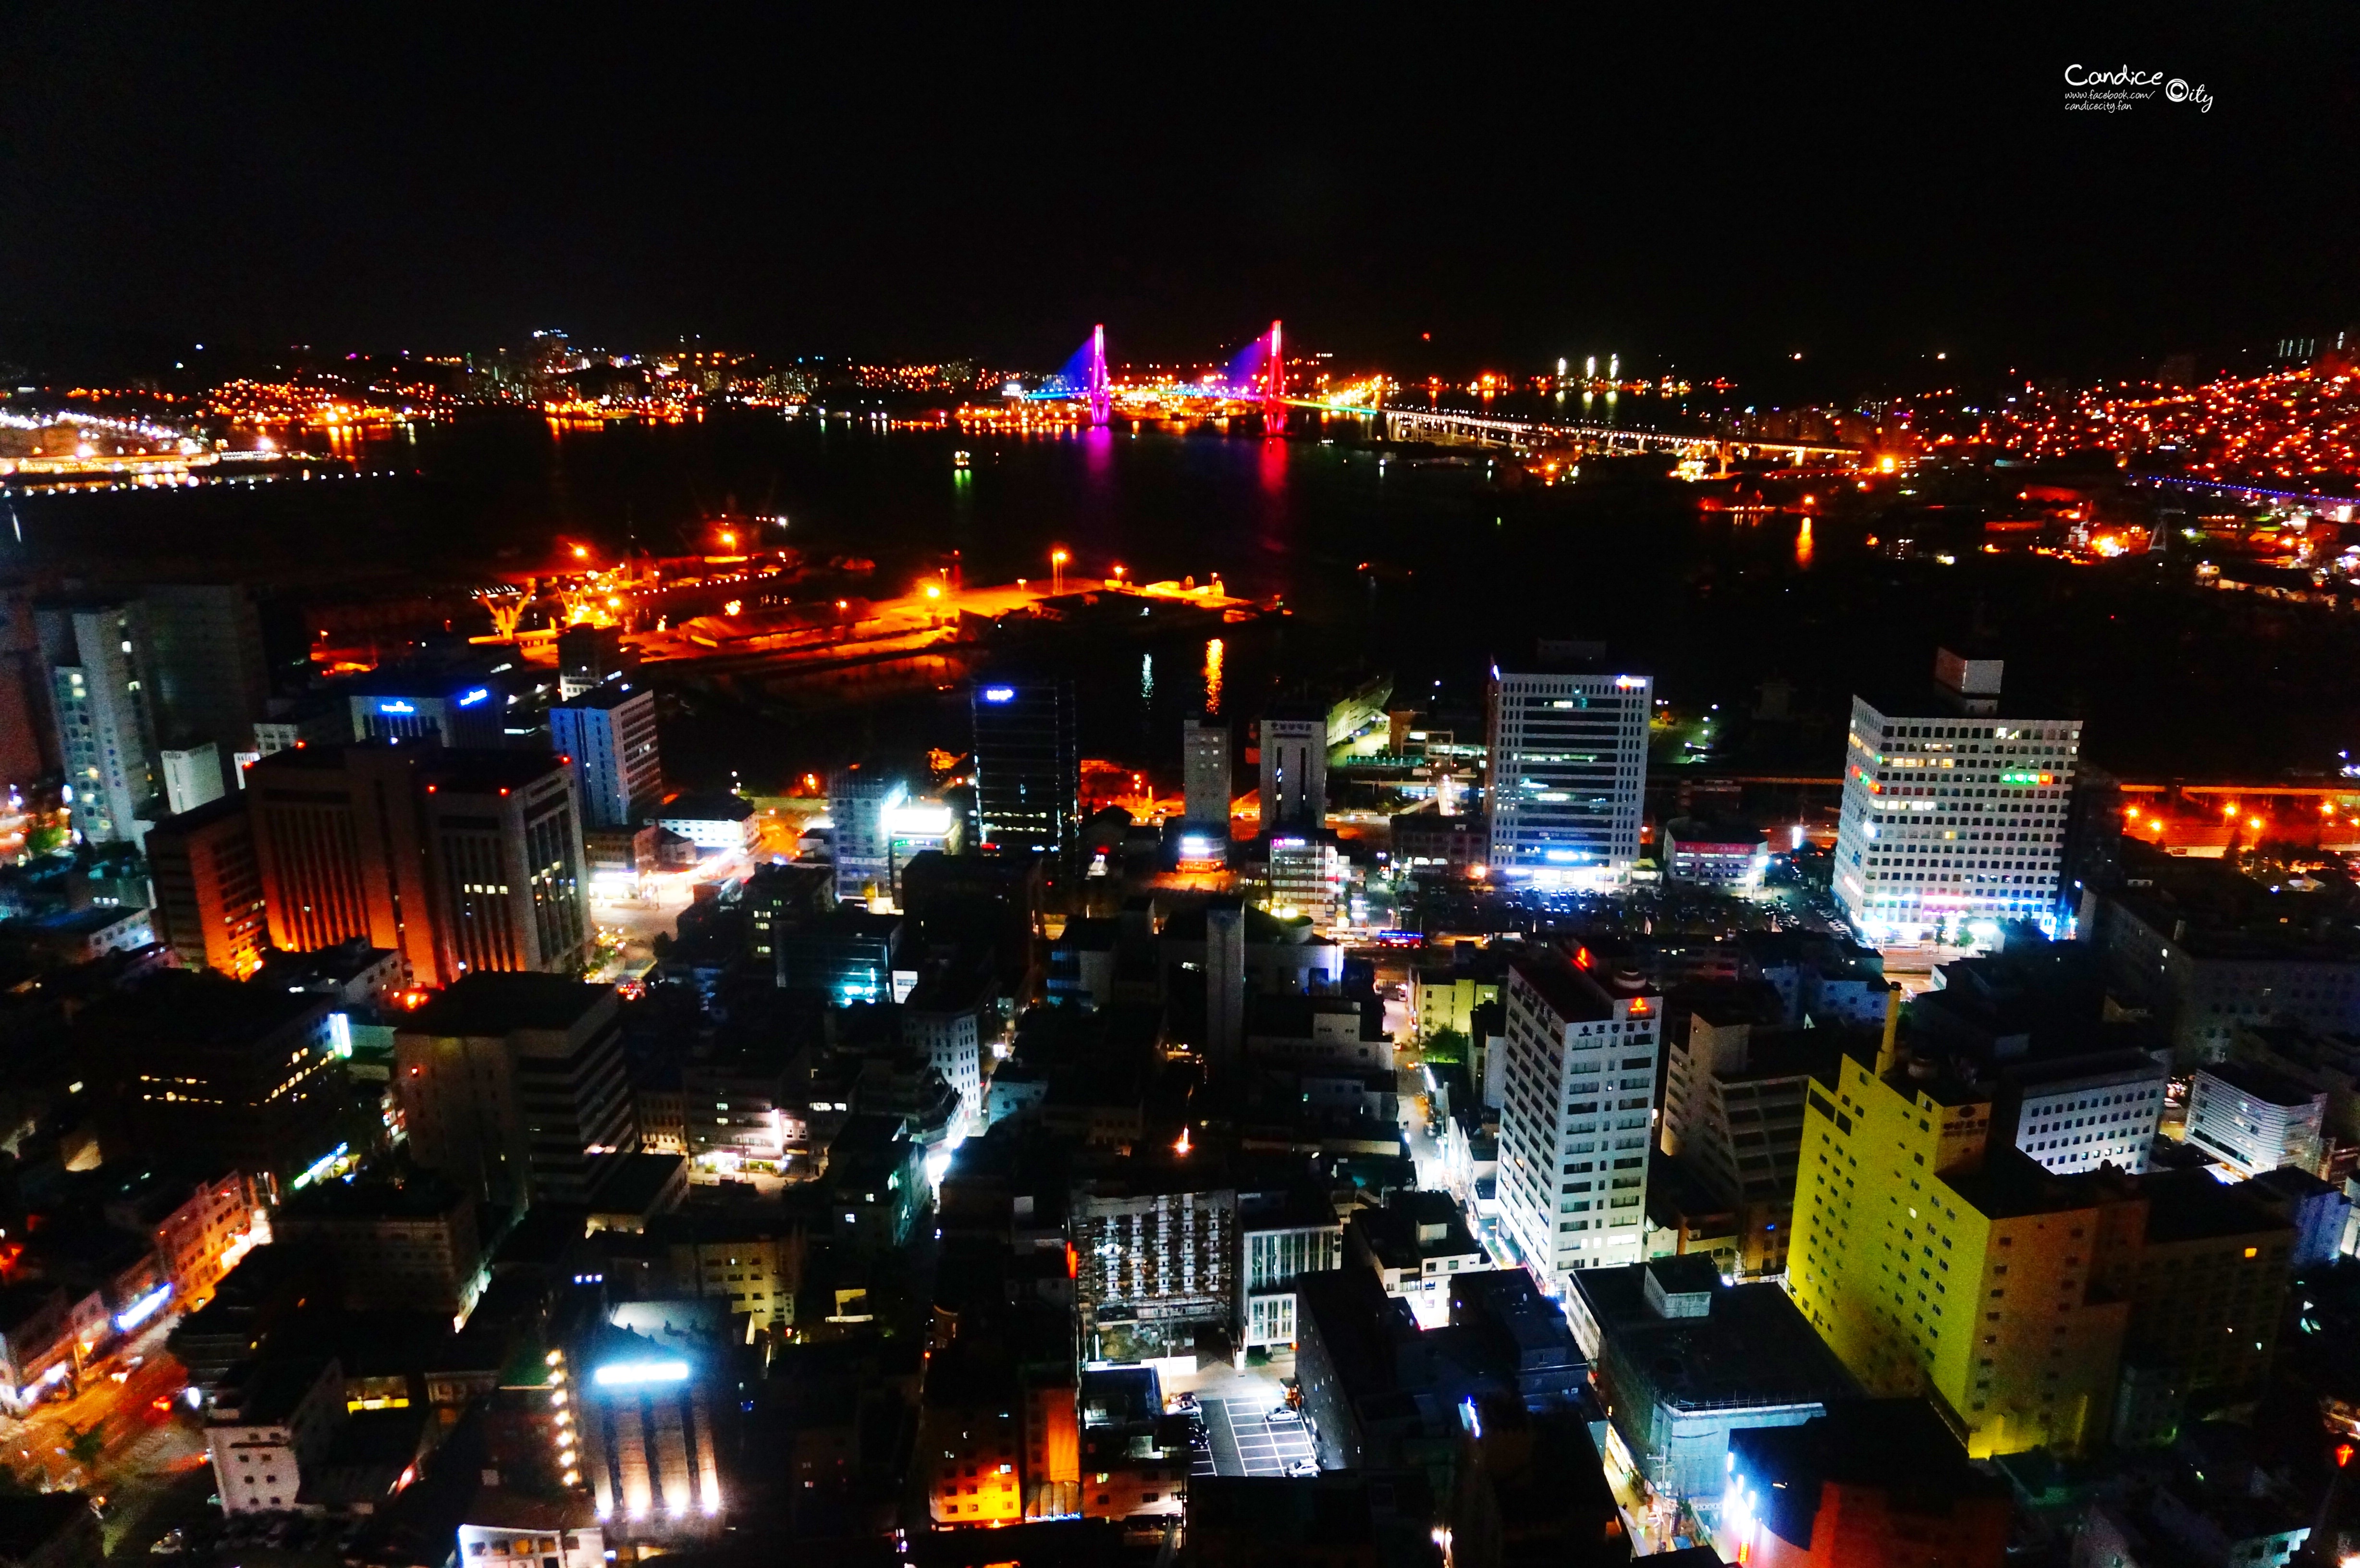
x,y
1102,386
1273,385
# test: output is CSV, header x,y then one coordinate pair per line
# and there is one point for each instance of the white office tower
x,y
1205,771
608,735
1568,771
1579,1074
97,656
1954,809
1295,770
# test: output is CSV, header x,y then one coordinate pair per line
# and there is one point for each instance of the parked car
x,y
1284,1415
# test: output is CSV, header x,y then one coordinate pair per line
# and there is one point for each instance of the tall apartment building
x,y
1027,763
1935,1258
1205,771
1578,1073
211,682
1293,771
608,735
513,1086
1567,771
209,906
98,659
1954,808
458,860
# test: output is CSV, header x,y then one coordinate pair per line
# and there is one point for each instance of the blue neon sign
x,y
396,706
1000,693
476,696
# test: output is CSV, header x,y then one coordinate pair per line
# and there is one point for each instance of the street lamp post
x,y
1057,559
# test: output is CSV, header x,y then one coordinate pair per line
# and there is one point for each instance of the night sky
x,y
1518,184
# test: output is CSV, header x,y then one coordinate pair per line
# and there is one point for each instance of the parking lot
x,y
1245,1444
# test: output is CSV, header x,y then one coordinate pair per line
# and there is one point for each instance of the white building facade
x,y
1579,1072
1953,815
1569,776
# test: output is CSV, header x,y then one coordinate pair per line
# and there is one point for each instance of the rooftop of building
x,y
705,805
635,1184
1289,1015
1412,1227
226,808
182,1007
340,964
1571,993
1702,831
1750,1346
486,1003
1299,1205
414,679
480,770
1895,1444
2267,1085
2210,912
607,696
273,1390
2194,1205
423,1196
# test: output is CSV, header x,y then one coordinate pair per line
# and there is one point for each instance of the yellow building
x,y
1937,1259
1445,995
1931,1270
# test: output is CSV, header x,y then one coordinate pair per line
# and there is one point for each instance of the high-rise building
x,y
858,801
1955,809
589,657
513,1086
209,906
458,860
1027,765
1226,983
647,1393
509,878
1306,875
207,1067
459,708
1579,1073
211,681
1567,769
98,656
1293,769
1936,1259
1205,771
27,739
608,736
192,775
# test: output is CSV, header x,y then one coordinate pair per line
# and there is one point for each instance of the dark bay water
x,y
1415,560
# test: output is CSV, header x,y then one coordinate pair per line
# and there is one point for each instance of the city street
x,y
150,1463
